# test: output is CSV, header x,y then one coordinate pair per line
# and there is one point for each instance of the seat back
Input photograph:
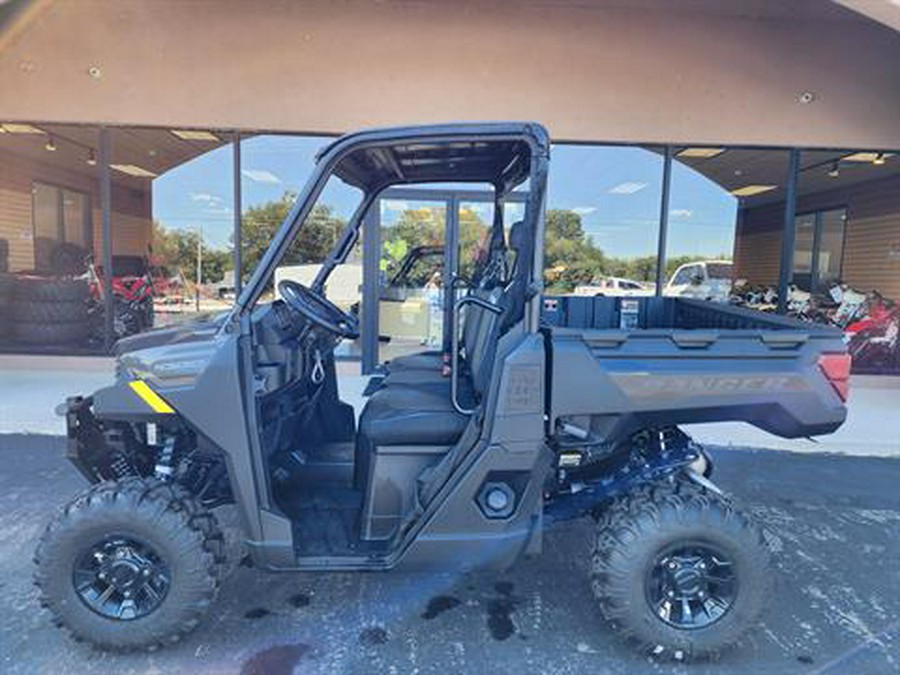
x,y
489,325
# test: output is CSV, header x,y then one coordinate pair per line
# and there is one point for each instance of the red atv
x,y
874,341
132,288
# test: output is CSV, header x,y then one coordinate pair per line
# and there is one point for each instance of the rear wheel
x,y
130,564
677,570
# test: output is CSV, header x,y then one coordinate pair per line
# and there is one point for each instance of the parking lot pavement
x,y
833,523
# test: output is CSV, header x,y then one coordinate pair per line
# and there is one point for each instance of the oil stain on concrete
x,y
277,660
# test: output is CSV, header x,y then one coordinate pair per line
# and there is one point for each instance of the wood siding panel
x,y
757,245
872,240
872,254
15,227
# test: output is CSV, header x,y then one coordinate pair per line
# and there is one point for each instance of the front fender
x,y
131,401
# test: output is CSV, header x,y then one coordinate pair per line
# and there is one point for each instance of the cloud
x,y
681,213
261,176
584,210
627,188
394,205
206,198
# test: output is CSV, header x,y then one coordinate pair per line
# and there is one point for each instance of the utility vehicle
x,y
706,280
623,288
551,410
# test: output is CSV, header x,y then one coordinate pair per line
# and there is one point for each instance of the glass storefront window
x,y
274,169
61,220
602,219
726,215
318,235
49,233
702,215
830,253
189,255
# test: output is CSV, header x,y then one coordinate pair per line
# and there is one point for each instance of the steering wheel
x,y
318,309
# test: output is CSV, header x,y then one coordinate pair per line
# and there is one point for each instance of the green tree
x,y
317,237
426,227
177,249
570,256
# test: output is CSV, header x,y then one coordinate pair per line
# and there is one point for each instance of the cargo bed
x,y
632,363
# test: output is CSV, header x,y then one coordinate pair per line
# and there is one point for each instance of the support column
x,y
789,231
238,210
106,239
663,222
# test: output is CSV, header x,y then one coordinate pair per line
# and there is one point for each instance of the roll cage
x,y
506,155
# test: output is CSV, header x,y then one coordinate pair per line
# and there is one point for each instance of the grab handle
x,y
454,346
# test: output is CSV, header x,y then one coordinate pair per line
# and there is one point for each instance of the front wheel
x,y
130,564
679,571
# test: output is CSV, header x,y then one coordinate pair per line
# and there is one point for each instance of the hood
x,y
198,330
170,357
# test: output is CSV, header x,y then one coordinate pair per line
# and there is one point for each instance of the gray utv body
x,y
554,405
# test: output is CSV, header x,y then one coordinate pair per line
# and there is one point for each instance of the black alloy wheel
x,y
121,578
691,586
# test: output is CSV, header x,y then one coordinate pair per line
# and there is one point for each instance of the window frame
x,y
817,241
87,213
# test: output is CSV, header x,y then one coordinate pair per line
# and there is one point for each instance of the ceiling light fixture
x,y
15,128
750,190
835,170
867,157
91,158
195,135
701,152
133,170
50,145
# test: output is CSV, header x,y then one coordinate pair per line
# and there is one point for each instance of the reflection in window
x,y
830,253
603,217
62,228
727,214
191,254
819,249
318,235
702,216
274,169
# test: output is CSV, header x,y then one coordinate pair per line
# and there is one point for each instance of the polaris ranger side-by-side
x,y
553,408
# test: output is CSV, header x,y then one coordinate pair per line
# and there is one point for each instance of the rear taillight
x,y
836,368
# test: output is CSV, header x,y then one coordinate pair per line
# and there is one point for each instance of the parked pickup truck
x,y
552,408
615,286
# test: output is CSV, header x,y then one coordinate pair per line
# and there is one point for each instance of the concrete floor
x,y
832,522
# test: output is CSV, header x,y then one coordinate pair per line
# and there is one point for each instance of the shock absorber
x,y
163,469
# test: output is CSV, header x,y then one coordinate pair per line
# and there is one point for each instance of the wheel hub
x,y
121,578
691,586
687,582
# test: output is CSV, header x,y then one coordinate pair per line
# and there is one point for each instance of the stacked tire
x,y
49,311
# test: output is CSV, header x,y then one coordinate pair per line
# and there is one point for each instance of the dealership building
x,y
761,133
